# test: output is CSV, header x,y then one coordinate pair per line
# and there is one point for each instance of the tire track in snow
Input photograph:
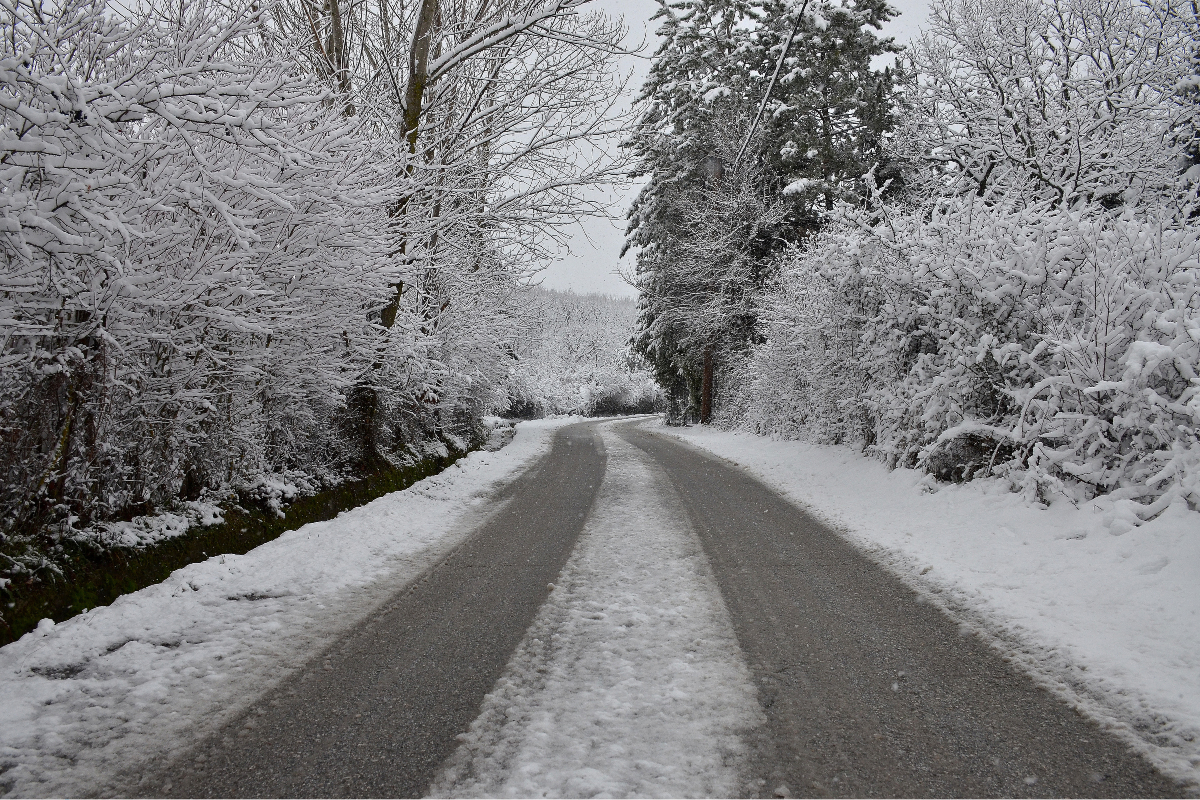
x,y
869,691
630,681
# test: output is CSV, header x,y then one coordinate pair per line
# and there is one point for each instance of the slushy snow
x,y
88,704
630,682
1103,613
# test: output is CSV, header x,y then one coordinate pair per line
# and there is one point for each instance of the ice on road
x,y
630,682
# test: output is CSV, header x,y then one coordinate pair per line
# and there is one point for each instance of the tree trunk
x,y
363,402
418,71
706,387
414,95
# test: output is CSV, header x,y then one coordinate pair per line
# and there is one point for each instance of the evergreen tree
x,y
756,118
829,114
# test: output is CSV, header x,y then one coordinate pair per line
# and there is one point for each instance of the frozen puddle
x,y
630,682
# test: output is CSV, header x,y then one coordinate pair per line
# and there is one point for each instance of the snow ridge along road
x,y
630,683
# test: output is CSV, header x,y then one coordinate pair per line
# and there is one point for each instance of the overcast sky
x,y
593,262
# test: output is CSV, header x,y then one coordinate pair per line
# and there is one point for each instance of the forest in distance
x,y
249,246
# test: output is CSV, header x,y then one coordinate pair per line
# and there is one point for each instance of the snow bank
x,y
86,704
151,529
630,682
1105,614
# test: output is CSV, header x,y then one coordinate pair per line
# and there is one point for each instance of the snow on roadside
x,y
154,528
87,703
630,681
1106,615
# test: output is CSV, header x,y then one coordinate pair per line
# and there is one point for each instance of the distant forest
x,y
574,357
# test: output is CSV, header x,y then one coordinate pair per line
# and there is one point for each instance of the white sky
x,y
592,263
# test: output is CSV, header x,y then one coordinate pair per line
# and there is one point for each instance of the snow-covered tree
x,y
572,355
699,279
828,116
1022,101
499,111
755,119
1023,314
222,227
179,222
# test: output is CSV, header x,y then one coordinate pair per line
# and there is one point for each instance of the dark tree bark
x,y
706,387
414,97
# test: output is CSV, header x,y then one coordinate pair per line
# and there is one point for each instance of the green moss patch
x,y
92,577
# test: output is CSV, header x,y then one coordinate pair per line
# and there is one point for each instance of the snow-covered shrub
x,y
187,250
1026,305
1068,337
572,357
1059,347
807,377
628,396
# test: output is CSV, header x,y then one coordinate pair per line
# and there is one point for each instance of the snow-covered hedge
x,y
1059,347
1022,297
185,230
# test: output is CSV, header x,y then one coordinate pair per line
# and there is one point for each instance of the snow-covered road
x,y
1105,614
89,704
633,679
630,683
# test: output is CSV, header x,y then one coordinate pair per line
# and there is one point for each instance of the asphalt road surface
x,y
867,691
377,714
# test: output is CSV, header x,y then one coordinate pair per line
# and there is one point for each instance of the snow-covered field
x,y
86,704
630,682
1104,613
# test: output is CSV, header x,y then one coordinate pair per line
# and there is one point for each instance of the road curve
x,y
867,691
377,713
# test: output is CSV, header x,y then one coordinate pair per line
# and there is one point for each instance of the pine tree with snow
x,y
754,117
829,115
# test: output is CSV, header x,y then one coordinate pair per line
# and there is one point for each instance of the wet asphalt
x,y
377,713
868,691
